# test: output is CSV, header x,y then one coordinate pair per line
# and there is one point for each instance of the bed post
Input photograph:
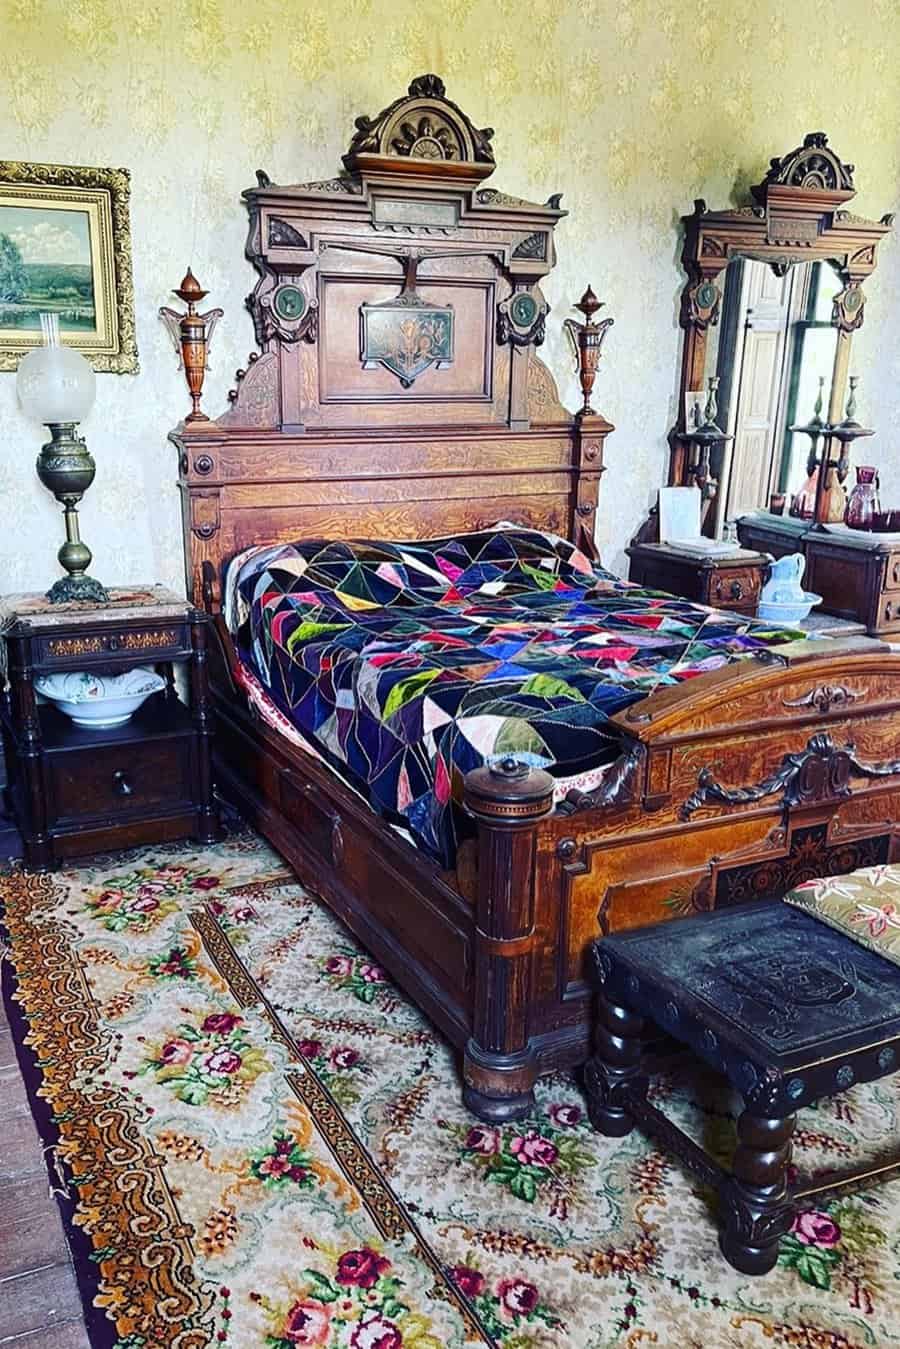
x,y
499,1065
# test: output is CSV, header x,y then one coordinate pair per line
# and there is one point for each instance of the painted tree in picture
x,y
12,271
45,267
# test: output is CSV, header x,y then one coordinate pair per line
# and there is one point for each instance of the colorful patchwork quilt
x,y
408,664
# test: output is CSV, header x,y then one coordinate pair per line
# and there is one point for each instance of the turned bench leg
x,y
614,1070
756,1209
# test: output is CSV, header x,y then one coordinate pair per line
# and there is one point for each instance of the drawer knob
x,y
737,590
121,785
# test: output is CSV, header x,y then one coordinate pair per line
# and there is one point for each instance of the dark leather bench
x,y
788,1009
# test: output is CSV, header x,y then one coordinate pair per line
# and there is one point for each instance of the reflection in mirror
x,y
774,344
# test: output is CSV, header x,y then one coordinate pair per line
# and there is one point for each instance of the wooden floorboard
x,y
38,1301
40,1307
67,1335
32,1227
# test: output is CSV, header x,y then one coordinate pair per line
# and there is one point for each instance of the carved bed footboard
x,y
730,788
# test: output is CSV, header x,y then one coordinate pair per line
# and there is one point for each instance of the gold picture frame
x,y
65,246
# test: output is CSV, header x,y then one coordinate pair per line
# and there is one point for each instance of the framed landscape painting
x,y
65,248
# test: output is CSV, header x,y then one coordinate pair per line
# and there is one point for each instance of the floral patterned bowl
x,y
97,700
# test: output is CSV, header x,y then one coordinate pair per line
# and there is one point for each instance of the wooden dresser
x,y
856,571
73,791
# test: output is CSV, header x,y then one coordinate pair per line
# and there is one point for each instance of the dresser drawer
x,y
892,573
117,780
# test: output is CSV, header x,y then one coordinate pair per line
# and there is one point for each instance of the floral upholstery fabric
x,y
864,905
411,663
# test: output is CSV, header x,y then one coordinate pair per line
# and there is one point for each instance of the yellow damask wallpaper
x,y
630,108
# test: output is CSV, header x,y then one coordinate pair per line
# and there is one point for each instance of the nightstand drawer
x,y
118,779
734,586
163,641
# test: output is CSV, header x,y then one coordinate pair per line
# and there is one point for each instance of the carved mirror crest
x,y
774,292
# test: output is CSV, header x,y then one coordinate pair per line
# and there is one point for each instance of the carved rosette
x,y
424,124
848,308
812,167
282,310
521,318
701,304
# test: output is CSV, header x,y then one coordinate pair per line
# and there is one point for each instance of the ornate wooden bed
x,y
347,424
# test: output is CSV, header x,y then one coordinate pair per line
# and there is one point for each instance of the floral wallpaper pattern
x,y
630,108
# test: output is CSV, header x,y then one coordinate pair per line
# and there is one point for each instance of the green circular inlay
x,y
523,310
289,302
852,300
707,295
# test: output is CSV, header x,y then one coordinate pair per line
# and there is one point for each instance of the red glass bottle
x,y
863,504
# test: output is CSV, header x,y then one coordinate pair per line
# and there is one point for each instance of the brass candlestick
x,y
587,339
192,335
701,438
848,430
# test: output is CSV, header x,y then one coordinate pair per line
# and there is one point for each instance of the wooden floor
x,y
39,1303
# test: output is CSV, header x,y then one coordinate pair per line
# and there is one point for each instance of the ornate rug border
x,y
101,1330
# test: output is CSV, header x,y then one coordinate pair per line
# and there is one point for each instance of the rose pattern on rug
x,y
284,1162
365,979
210,1063
508,1308
358,1304
138,899
528,1161
265,1204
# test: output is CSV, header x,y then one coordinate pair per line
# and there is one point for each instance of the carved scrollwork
x,y
823,697
490,196
617,787
820,771
753,1225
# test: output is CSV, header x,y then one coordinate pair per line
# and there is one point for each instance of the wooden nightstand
x,y
74,791
729,582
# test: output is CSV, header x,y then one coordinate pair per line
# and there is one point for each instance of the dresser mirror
x,y
773,296
773,352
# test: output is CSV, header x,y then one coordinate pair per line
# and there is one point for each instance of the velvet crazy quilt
x,y
409,664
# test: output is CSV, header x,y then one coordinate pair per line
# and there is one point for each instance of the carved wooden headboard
x,y
396,391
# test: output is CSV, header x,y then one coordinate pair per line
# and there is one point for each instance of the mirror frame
x,y
798,214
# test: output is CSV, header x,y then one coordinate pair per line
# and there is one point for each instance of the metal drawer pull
x,y
121,785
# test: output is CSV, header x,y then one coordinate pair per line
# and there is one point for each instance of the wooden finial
x,y
190,290
587,338
192,334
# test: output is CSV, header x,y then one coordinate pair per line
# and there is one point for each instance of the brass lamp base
x,y
77,589
65,466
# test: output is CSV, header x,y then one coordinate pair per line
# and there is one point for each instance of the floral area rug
x,y
263,1146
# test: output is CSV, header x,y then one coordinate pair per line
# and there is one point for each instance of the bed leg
x,y
500,1065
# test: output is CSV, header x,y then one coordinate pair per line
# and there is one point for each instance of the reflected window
x,y
775,343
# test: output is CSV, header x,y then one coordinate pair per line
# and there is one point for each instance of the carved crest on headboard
x,y
424,124
405,289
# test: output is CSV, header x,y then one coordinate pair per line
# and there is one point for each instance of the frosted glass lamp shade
x,y
55,384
